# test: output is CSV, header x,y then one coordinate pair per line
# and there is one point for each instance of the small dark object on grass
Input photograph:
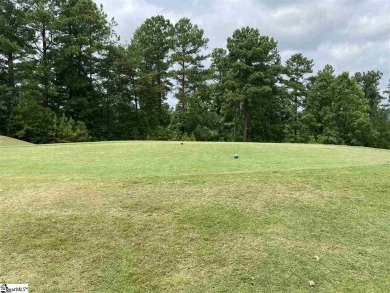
x,y
235,156
182,143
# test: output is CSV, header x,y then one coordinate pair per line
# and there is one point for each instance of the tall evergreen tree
x,y
337,111
108,95
134,86
85,34
296,69
42,19
14,37
319,101
369,83
153,42
187,59
348,116
219,71
252,83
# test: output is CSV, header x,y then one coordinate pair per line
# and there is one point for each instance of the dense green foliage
x,y
63,59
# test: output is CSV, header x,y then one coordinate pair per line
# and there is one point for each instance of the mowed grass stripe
x,y
255,231
143,159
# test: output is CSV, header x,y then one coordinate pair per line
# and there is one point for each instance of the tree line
x,y
65,76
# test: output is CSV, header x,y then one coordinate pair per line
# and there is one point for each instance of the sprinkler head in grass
x,y
235,156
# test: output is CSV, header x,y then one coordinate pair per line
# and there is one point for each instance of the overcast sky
x,y
351,35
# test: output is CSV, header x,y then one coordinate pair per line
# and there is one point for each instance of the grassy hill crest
x,y
9,141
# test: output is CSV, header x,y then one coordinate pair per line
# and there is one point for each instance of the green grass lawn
x,y
161,216
8,141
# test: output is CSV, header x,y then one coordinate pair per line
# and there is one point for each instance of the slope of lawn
x,y
161,216
9,141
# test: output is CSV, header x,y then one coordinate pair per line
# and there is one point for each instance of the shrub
x,y
69,131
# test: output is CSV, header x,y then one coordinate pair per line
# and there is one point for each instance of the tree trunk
x,y
296,118
159,92
246,119
11,99
11,73
183,88
45,69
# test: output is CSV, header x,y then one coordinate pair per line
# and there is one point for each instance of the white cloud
x,y
370,24
343,51
129,14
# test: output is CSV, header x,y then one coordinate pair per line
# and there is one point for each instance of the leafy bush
x,y
204,133
187,137
32,122
69,131
159,133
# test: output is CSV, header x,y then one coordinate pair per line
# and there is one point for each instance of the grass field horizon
x,y
9,141
160,216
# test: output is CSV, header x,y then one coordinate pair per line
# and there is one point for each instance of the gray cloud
x,y
351,35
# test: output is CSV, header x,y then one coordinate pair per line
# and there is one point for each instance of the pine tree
x,y
84,36
152,41
369,83
348,115
132,89
219,70
318,103
296,70
336,110
42,19
252,83
14,37
187,59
